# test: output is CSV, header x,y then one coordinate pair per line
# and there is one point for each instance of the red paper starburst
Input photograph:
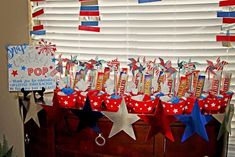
x,y
46,47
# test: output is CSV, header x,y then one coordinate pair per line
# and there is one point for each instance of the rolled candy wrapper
x,y
170,83
147,84
226,81
216,83
99,81
160,80
168,78
137,78
182,87
123,83
122,76
107,71
78,77
91,78
200,85
188,80
195,80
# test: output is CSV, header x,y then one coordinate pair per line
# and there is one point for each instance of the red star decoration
x,y
159,123
14,73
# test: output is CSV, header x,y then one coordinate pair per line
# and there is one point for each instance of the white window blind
x,y
169,29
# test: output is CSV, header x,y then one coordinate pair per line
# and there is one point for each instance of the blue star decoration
x,y
9,66
53,59
87,117
23,68
195,123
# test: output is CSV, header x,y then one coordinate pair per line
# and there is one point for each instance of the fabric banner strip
x,y
88,28
228,20
226,3
89,8
225,14
146,1
92,2
89,13
39,27
89,18
40,32
225,38
90,23
37,13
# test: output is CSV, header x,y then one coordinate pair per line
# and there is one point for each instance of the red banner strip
x,y
228,20
226,3
225,38
89,13
88,28
37,13
39,27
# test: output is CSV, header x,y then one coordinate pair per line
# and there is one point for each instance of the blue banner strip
x,y
90,23
146,1
41,32
225,14
94,8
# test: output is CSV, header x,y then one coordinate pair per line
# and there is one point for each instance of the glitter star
x,y
23,68
14,73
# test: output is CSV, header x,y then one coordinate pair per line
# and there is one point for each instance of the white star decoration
x,y
66,102
122,121
175,110
213,104
33,110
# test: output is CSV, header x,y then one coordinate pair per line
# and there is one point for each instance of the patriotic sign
x,y
30,67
